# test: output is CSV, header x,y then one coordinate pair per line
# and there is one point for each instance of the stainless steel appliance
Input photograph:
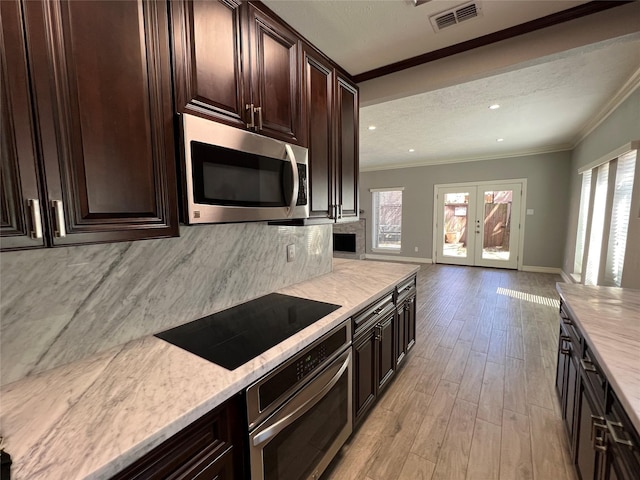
x,y
301,413
233,175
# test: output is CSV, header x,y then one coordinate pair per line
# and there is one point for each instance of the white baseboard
x,y
397,258
567,278
536,269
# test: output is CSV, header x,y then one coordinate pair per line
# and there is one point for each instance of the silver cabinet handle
x,y
36,219
587,366
340,210
611,427
565,350
252,123
259,110
280,425
294,171
597,427
61,230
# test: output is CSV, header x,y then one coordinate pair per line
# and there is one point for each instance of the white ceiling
x,y
546,104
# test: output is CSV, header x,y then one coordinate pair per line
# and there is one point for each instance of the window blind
x,y
620,218
597,226
585,195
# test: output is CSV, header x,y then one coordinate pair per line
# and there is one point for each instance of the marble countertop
x,y
92,418
609,318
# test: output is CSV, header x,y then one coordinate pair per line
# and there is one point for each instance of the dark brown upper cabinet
x,y
20,198
103,120
331,118
237,64
347,161
318,108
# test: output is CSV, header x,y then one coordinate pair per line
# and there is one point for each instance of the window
x,y
597,226
620,219
387,218
603,220
585,196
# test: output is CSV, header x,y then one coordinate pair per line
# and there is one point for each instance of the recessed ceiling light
x,y
411,150
500,140
495,106
372,127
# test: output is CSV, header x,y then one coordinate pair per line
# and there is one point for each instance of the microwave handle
x,y
296,179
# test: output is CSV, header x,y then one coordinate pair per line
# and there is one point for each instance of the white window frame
x,y
600,236
374,221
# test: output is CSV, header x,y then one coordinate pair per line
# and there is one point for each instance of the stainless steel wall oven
x,y
301,413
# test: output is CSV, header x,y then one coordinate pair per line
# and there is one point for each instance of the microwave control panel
x,y
302,182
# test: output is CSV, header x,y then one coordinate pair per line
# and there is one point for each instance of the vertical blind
x,y
620,214
597,226
583,216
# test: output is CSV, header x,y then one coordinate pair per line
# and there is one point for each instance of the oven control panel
x,y
290,376
310,361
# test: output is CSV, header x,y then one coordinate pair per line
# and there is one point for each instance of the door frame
x,y
523,211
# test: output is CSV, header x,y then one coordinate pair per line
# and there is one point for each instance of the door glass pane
x,y
456,214
497,225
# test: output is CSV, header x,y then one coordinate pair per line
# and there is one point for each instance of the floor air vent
x,y
455,15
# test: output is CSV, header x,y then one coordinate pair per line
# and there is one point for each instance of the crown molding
x,y
630,86
522,153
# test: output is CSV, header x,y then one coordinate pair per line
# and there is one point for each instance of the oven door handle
x,y
296,180
280,425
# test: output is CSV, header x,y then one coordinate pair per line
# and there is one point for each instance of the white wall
x,y
618,129
547,193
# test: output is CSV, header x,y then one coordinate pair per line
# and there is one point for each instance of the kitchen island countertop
x,y
94,417
609,318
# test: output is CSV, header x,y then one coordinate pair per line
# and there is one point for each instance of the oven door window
x,y
222,176
296,451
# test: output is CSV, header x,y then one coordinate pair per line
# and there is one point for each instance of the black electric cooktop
x,y
233,337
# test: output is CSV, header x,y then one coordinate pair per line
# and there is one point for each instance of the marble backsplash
x,y
60,305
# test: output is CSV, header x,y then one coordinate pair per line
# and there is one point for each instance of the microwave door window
x,y
222,176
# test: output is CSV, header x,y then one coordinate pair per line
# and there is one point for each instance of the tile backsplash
x,y
59,305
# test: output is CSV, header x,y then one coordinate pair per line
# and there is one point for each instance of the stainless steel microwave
x,y
233,175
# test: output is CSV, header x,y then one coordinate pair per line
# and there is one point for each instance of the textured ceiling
x,y
348,31
542,108
548,100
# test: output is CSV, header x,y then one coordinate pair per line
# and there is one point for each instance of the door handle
x,y
259,110
252,123
61,230
296,180
36,219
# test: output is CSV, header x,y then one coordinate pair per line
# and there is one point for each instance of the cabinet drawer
x,y
572,330
369,316
594,376
405,289
190,452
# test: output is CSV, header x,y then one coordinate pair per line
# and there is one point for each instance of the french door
x,y
478,225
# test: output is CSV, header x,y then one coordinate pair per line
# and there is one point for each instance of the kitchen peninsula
x,y
93,417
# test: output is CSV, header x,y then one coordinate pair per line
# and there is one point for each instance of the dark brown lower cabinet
x,y
604,443
211,448
374,363
406,318
374,353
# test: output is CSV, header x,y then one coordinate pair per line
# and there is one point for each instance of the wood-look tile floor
x,y
475,398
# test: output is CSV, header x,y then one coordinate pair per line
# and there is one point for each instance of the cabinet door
x,y
386,353
365,380
275,78
347,149
587,458
206,36
410,327
401,321
20,201
100,71
318,80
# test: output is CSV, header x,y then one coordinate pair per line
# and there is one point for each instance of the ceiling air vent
x,y
455,15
